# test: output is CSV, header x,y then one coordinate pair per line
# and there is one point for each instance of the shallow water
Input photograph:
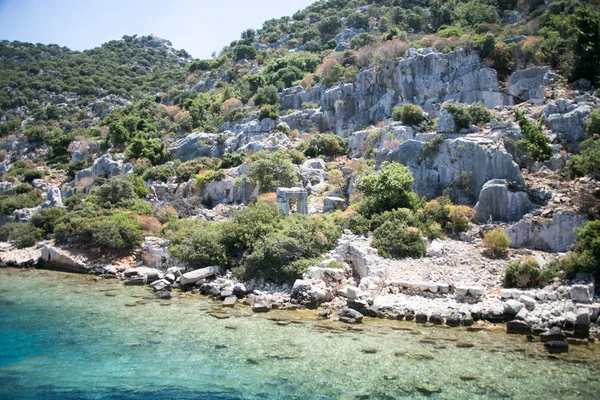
x,y
63,336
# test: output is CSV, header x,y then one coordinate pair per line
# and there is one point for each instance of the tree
x,y
386,189
271,170
587,44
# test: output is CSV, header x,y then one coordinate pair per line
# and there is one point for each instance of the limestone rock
x,y
192,277
498,203
557,347
528,84
350,316
518,327
53,198
553,235
580,293
155,253
333,203
195,145
567,120
459,170
55,257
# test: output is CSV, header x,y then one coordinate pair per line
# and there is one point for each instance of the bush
x,y
464,116
271,170
250,224
355,222
152,150
165,213
232,160
432,147
89,228
268,111
496,242
8,204
535,144
20,235
328,145
116,190
197,243
459,218
386,189
46,218
398,240
525,273
409,114
159,173
588,161
205,176
266,95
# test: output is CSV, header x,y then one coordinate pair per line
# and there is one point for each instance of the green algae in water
x,y
61,337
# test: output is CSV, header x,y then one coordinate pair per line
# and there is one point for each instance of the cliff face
x,y
424,77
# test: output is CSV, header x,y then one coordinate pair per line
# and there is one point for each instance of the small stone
x,y
436,319
512,307
522,314
351,316
551,296
261,307
518,327
443,288
461,291
528,301
505,293
476,291
229,301
421,318
557,347
453,320
552,335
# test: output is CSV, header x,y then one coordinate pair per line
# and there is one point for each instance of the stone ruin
x,y
285,194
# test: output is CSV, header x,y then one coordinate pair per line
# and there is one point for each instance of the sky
x,y
200,27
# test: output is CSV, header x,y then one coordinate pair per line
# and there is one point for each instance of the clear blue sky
x,y
200,26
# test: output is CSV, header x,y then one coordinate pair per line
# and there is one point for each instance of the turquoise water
x,y
63,336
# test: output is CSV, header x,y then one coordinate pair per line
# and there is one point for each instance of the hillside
x,y
407,129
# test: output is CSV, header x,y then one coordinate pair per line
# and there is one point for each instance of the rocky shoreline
x,y
361,284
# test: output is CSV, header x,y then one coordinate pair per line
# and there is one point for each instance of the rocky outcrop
x,y
196,145
424,77
192,277
498,203
62,259
53,198
458,170
554,235
104,166
528,84
155,253
566,119
333,203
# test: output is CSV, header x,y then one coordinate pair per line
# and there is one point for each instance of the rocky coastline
x,y
353,282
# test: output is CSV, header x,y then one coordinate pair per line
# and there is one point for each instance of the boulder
x,y
155,253
528,84
567,120
192,277
421,317
552,335
552,235
498,203
333,203
261,307
453,320
518,327
105,165
582,324
446,122
557,347
580,293
53,198
351,316
512,307
62,259
23,215
529,302
229,301
436,319
436,248
195,145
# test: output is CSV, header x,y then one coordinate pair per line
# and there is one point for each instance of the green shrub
x,y
250,224
269,111
432,147
271,169
585,257
23,188
328,145
479,114
151,149
165,213
46,218
459,218
159,173
116,190
20,235
30,175
8,204
197,243
232,160
462,119
592,125
525,273
89,227
386,189
266,95
400,216
395,240
588,161
205,176
409,114
496,242
535,144
358,224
